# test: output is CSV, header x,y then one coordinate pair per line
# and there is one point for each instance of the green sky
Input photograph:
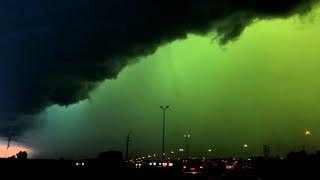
x,y
260,89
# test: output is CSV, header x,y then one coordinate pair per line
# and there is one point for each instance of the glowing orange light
x,y
307,133
13,150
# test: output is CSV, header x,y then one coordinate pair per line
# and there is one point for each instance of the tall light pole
x,y
209,152
180,153
187,137
245,148
127,147
163,126
308,134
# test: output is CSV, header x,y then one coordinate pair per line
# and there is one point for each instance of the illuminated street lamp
x,y
180,150
209,152
172,154
187,137
307,133
245,147
163,126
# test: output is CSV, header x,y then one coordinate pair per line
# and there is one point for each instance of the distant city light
x,y
307,133
181,150
187,135
245,145
209,150
164,164
172,152
229,167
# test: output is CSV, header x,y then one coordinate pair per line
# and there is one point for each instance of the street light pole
x,y
246,152
209,153
187,137
127,147
163,128
308,134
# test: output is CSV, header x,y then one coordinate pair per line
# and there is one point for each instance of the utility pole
x,y
127,146
163,127
187,137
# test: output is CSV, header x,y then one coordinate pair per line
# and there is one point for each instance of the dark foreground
x,y
96,169
108,165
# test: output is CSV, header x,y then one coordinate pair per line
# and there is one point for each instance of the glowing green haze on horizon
x,y
260,89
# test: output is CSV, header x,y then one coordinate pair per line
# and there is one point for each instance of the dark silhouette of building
x,y
110,159
266,151
112,156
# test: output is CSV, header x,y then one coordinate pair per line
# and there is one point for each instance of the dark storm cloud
x,y
56,51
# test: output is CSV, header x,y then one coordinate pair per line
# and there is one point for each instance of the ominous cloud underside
x,y
56,51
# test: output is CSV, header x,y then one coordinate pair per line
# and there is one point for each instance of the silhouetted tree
x,y
12,157
22,155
